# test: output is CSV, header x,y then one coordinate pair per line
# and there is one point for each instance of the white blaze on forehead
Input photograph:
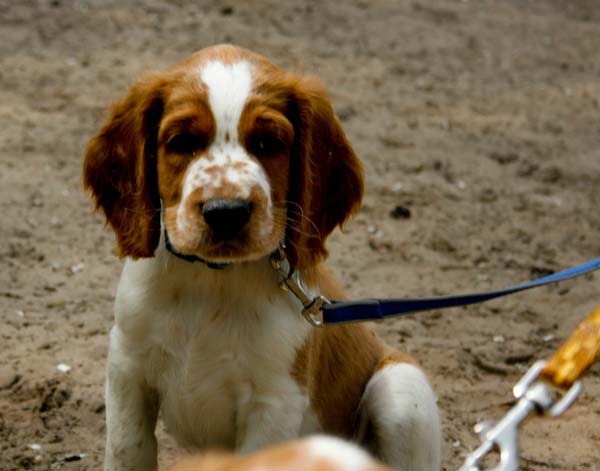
x,y
228,86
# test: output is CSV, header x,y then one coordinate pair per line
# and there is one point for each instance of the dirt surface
x,y
478,125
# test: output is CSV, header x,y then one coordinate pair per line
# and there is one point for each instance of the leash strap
x,y
576,355
337,312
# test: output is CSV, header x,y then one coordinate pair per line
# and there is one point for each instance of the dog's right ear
x,y
120,168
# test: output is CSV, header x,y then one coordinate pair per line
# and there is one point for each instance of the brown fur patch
x,y
335,364
328,178
120,167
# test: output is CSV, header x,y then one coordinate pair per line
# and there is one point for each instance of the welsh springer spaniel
x,y
203,171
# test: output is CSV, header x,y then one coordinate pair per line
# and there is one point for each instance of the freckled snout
x,y
226,217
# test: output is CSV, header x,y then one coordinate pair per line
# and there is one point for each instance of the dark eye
x,y
266,144
186,144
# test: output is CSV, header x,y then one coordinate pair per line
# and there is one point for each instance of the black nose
x,y
226,218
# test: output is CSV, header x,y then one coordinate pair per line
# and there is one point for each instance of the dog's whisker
x,y
292,217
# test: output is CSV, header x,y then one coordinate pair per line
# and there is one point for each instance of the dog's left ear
x,y
326,183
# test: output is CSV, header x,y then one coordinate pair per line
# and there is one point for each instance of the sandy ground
x,y
478,125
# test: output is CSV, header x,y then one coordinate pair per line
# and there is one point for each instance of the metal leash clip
x,y
563,370
291,281
532,396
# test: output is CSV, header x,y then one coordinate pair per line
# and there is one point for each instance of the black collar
x,y
192,258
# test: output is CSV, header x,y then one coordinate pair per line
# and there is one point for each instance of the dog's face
x,y
241,154
224,148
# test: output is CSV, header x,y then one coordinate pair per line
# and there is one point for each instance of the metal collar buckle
x,y
532,396
291,281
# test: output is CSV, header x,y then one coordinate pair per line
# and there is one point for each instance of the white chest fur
x,y
218,347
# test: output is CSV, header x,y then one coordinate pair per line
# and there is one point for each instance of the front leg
x,y
131,413
270,415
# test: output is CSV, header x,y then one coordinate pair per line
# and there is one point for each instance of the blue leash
x,y
337,312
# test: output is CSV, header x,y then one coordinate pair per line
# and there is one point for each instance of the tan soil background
x,y
478,120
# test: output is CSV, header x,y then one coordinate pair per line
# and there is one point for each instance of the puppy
x,y
204,171
317,453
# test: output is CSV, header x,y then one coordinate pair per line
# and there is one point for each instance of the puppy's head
x,y
242,155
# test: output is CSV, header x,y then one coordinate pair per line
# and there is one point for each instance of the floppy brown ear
x,y
326,183
120,169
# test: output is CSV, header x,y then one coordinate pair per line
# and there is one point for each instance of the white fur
x,y
211,353
346,456
213,350
401,407
228,86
